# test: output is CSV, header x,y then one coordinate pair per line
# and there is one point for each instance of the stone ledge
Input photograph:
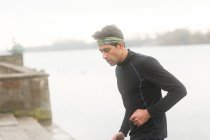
x,y
19,72
24,91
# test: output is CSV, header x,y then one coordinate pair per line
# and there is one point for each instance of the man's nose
x,y
105,56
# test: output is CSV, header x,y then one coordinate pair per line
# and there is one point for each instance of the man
x,y
140,79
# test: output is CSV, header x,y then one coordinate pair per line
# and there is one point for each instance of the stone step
x,y
33,129
9,128
56,132
7,119
28,128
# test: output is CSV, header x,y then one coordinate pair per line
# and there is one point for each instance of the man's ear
x,y
121,44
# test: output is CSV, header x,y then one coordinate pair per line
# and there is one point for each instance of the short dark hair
x,y
108,31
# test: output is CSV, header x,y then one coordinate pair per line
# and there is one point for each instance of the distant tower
x,y
17,48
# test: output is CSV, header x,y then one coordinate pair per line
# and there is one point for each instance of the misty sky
x,y
42,22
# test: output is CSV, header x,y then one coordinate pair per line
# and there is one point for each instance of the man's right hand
x,y
118,136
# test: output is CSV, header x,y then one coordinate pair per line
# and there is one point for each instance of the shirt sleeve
x,y
154,72
125,125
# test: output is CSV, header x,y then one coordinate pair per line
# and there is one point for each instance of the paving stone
x,y
14,135
28,128
33,129
7,119
57,133
9,129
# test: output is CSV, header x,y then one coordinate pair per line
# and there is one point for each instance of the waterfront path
x,y
28,128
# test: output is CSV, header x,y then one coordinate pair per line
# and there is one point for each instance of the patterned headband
x,y
108,41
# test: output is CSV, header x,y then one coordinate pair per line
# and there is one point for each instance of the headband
x,y
108,41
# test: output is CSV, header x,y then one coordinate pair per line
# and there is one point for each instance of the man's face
x,y
111,53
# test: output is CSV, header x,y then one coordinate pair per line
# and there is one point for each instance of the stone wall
x,y
5,70
16,59
24,91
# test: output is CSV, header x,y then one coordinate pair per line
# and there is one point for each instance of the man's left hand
x,y
140,116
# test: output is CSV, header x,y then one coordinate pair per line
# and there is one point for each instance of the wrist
x,y
121,133
149,112
121,136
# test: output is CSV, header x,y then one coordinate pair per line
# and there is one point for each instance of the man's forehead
x,y
102,47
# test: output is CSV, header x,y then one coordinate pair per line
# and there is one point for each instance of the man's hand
x,y
118,136
140,116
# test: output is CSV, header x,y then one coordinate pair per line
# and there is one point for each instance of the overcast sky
x,y
42,22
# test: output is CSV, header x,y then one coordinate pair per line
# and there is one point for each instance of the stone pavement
x,y
28,128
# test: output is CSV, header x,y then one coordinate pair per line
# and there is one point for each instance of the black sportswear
x,y
140,79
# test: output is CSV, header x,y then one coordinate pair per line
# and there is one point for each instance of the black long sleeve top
x,y
140,79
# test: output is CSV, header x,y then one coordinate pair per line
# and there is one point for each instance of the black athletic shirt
x,y
140,79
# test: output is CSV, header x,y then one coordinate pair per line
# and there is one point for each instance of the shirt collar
x,y
127,59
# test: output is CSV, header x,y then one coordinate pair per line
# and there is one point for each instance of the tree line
x,y
176,37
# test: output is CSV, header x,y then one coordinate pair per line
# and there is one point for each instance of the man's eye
x,y
106,50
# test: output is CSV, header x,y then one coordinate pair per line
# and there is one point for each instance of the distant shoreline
x,y
49,49
178,37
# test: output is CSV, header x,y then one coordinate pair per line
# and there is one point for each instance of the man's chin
x,y
112,64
